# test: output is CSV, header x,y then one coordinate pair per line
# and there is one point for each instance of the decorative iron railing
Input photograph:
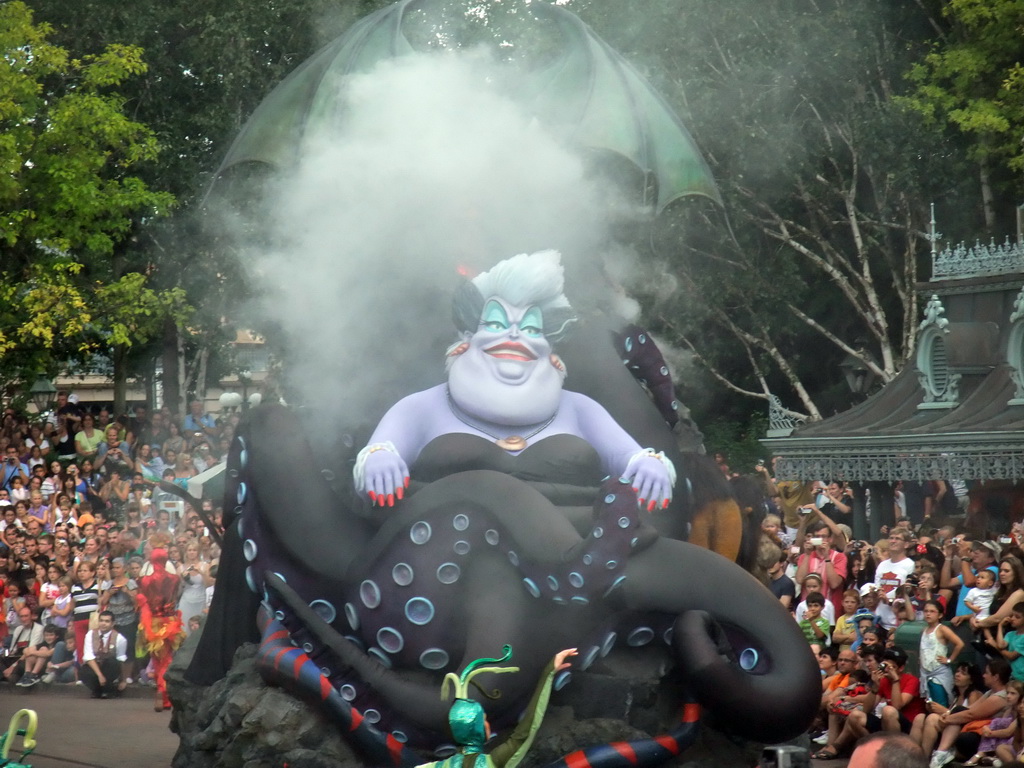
x,y
978,260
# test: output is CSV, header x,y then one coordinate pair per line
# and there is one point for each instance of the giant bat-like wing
x,y
581,90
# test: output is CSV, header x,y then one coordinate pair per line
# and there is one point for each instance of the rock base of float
x,y
241,722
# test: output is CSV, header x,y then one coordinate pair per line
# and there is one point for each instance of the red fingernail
x,y
664,504
400,492
391,499
637,490
641,502
650,507
373,496
406,482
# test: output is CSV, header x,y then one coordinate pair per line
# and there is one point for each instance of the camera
x,y
857,545
913,580
816,541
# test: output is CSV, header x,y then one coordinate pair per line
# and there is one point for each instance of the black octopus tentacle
x,y
641,753
738,649
281,662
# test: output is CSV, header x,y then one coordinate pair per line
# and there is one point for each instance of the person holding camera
x,y
901,694
12,468
28,634
114,453
819,557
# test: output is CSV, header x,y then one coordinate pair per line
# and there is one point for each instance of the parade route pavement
x,y
77,731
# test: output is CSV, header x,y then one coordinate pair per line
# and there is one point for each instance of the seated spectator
x,y
28,634
1011,642
946,728
887,750
901,695
37,657
1001,729
61,667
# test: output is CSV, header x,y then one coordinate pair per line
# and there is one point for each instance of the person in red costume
x,y
160,627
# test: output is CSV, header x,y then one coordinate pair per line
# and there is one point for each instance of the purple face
x,y
506,375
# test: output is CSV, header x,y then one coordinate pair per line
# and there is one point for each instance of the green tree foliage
x,y
69,198
974,77
827,179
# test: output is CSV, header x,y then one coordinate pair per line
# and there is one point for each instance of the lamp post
x,y
42,392
859,376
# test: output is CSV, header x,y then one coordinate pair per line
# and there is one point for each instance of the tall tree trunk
x,y
172,367
987,198
120,378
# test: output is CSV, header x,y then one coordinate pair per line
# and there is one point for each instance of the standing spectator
x,y
815,626
835,501
780,584
114,453
1010,592
892,572
195,578
13,467
88,440
104,668
819,557
85,595
884,615
198,422
935,655
846,628
118,597
919,498
174,443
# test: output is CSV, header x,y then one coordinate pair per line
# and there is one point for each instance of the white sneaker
x,y
940,757
821,740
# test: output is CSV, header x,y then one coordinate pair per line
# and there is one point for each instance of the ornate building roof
x,y
957,408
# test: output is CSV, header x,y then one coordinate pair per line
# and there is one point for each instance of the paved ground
x,y
78,732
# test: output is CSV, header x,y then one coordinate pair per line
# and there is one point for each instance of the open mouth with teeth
x,y
511,350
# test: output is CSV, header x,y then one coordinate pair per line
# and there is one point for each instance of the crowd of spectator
x,y
963,588
83,511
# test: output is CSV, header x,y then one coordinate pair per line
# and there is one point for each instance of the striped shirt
x,y
87,600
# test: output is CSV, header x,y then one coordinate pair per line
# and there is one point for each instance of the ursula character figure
x,y
516,511
505,386
470,728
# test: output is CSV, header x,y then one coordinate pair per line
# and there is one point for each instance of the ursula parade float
x,y
533,498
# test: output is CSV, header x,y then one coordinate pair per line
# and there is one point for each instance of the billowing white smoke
x,y
428,166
